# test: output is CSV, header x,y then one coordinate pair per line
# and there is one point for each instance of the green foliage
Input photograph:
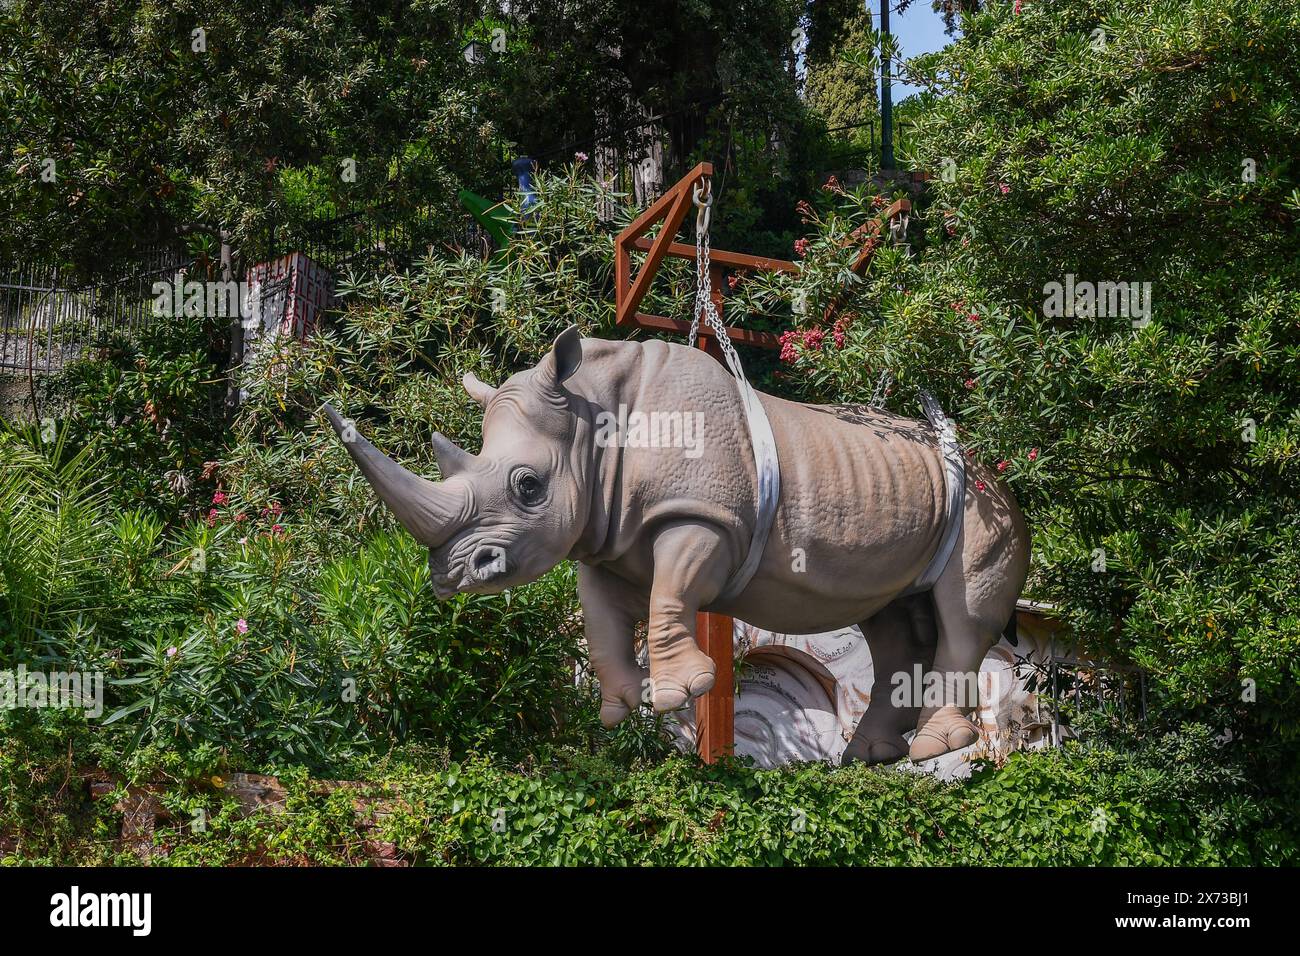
x,y
1174,447
156,130
1177,799
231,640
151,409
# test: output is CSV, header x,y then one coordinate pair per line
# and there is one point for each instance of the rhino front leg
x,y
691,567
611,609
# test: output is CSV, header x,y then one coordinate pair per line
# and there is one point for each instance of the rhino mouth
x,y
481,571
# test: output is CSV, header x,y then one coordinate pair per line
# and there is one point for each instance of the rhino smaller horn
x,y
480,391
451,458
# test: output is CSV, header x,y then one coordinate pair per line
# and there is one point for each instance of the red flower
x,y
804,210
813,338
1004,187
1033,454
788,350
800,246
1003,465
980,486
212,518
970,383
219,498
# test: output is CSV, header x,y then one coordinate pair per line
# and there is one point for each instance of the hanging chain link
x,y
704,284
882,389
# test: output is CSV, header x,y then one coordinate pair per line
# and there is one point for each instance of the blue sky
x,y
919,30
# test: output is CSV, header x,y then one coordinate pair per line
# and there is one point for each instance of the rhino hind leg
x,y
900,635
973,599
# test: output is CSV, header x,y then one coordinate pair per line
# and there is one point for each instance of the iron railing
x,y
46,322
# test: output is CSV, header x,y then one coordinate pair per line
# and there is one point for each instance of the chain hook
x,y
703,196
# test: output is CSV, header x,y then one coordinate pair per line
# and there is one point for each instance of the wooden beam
x,y
672,207
762,340
715,716
735,260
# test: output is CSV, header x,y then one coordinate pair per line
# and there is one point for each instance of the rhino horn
x,y
431,511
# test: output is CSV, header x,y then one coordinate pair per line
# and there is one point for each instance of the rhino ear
x,y
481,392
564,358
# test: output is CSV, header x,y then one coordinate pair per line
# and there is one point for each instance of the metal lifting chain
x,y
882,389
703,196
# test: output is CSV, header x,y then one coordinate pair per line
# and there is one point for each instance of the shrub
x,y
1158,465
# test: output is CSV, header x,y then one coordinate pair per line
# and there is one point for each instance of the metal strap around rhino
x,y
766,464
954,479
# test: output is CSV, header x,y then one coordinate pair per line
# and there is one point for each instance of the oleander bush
x,y
1156,455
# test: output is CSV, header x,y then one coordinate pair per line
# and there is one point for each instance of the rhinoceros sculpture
x,y
634,459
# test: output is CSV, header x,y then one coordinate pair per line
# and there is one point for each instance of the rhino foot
x,y
945,731
673,692
875,750
615,706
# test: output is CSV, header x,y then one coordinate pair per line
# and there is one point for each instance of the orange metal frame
x,y
714,711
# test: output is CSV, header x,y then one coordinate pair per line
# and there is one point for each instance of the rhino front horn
x,y
431,511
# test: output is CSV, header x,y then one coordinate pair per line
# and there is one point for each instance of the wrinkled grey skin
x,y
658,532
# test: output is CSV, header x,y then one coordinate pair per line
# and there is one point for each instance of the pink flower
x,y
733,280
970,383
800,246
974,317
980,486
219,498
1003,465
788,350
813,338
1017,7
1033,454
804,210
277,529
241,626
580,156
212,518
173,651
1004,187
274,508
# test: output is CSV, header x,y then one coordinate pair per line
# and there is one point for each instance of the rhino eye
x,y
529,487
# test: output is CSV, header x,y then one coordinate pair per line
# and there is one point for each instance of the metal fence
x,y
45,322
369,238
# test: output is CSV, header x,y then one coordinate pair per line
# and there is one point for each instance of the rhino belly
x,y
861,512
